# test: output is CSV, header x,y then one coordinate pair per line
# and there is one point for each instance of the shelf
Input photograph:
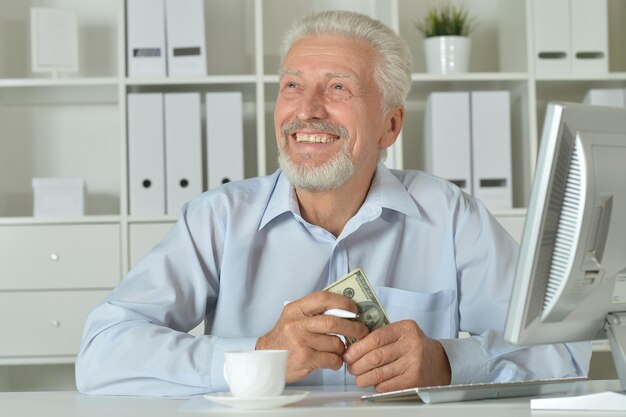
x,y
212,79
153,219
58,82
59,220
611,76
470,76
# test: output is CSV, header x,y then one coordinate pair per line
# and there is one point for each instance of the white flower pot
x,y
447,54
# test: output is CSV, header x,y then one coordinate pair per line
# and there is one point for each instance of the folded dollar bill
x,y
357,287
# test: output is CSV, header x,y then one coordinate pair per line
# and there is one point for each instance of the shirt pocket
x,y
435,313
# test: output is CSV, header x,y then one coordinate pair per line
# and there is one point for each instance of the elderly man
x,y
439,262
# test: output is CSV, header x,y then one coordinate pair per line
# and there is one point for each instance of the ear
x,y
393,124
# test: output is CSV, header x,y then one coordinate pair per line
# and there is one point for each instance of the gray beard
x,y
328,176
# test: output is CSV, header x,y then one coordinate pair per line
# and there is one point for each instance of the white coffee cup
x,y
255,373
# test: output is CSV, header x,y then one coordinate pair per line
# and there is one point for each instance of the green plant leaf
x,y
450,20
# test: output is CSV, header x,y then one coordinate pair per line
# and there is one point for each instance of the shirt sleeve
x,y
486,257
136,341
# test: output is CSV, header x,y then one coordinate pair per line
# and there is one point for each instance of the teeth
x,y
314,138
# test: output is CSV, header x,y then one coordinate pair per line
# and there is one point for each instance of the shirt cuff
x,y
226,344
469,363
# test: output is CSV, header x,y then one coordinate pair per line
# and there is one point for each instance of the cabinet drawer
x,y
44,323
59,256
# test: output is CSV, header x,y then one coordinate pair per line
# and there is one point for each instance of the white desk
x,y
73,404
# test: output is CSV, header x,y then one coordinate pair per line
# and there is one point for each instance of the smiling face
x,y
328,117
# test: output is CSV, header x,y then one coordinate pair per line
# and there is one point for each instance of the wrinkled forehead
x,y
333,55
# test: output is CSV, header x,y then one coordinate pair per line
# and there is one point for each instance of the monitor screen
x,y
570,280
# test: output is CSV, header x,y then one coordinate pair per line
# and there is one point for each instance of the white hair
x,y
392,66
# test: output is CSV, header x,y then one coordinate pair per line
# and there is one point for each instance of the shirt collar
x,y
386,191
282,200
391,193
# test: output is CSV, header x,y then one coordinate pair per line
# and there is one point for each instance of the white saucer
x,y
259,403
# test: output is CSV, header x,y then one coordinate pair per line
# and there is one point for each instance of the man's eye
x,y
339,92
291,85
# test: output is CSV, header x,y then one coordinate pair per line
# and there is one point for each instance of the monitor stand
x,y
615,328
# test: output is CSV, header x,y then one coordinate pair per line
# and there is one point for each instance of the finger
x,y
375,359
320,301
325,324
326,343
378,338
396,383
326,360
381,376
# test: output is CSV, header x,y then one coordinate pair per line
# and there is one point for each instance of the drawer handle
x,y
55,323
54,257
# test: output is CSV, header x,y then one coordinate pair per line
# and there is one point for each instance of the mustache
x,y
320,125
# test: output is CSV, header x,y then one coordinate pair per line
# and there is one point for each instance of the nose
x,y
312,105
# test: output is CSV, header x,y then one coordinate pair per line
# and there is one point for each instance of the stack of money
x,y
357,287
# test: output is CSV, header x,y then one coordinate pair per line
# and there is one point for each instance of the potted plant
x,y
447,43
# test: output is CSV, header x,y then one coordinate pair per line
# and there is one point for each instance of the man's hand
x,y
309,336
398,356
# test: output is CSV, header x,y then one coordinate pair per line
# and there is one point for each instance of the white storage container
x,y
62,196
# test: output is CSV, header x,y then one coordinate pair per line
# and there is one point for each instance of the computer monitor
x,y
570,280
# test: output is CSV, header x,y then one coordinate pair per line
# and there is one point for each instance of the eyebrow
x,y
328,75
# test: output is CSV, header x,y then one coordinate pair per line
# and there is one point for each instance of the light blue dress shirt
x,y
238,252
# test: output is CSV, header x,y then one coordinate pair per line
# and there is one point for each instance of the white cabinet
x,y
58,256
38,326
76,125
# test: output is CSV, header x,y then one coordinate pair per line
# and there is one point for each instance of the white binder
x,y
589,29
552,35
447,137
491,148
145,154
186,42
183,149
614,97
224,125
146,38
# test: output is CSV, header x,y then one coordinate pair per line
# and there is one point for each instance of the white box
x,y
58,196
186,38
146,154
447,137
614,97
552,36
183,149
224,121
146,38
589,32
491,148
54,40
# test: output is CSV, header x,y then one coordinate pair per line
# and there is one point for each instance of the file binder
x,y
224,122
447,137
552,36
183,149
146,154
186,42
590,38
146,38
491,148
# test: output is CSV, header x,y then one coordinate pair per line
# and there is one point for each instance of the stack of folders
x,y
613,97
468,142
166,37
165,147
576,42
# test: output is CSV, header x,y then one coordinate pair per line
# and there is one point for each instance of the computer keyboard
x,y
479,391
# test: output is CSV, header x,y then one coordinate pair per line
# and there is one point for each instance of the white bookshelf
x,y
75,125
